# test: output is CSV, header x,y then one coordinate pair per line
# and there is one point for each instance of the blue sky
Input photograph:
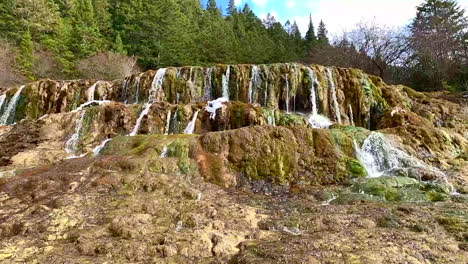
x,y
338,15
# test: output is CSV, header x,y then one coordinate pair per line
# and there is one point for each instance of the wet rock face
x,y
278,155
286,87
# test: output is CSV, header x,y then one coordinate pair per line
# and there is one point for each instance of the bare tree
x,y
107,66
385,47
9,76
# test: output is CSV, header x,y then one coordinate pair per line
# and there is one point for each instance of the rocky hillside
x,y
284,163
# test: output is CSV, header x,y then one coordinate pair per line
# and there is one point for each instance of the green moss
x,y
400,189
356,168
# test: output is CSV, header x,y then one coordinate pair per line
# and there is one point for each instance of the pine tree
x,y
322,34
211,5
440,41
310,38
246,9
231,9
26,56
85,39
9,23
118,45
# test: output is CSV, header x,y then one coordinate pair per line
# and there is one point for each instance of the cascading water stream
x,y
316,120
125,90
156,86
225,80
191,125
11,108
336,106
168,123
137,84
208,84
71,147
351,115
143,113
91,91
313,92
2,101
255,81
97,150
380,157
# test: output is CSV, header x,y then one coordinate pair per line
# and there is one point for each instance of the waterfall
x,y
97,150
192,80
91,91
145,111
125,90
319,121
156,85
287,93
137,84
174,124
168,123
380,157
2,101
10,111
316,120
255,81
313,92
226,77
71,146
213,106
351,116
164,152
191,125
208,84
270,116
331,84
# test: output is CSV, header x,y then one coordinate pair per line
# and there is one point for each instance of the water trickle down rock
x,y
143,113
208,84
255,82
336,106
191,125
156,86
71,147
91,91
137,84
2,101
10,111
351,116
225,80
125,90
316,120
168,123
380,157
97,150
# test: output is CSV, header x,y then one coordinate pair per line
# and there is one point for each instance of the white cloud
x,y
339,15
291,4
261,3
238,2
